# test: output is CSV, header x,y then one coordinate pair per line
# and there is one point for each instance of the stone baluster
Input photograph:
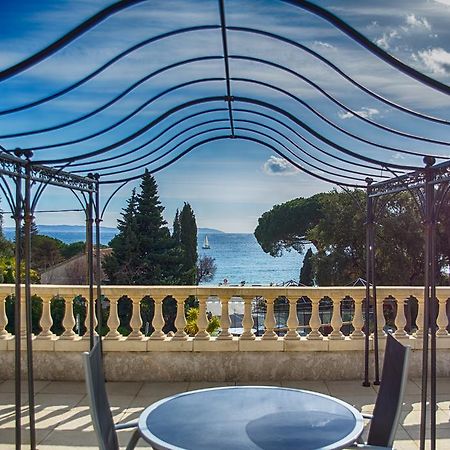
x,y
87,322
23,316
158,319
202,321
113,319
314,321
46,319
336,321
3,319
442,319
358,319
400,320
292,321
68,320
180,321
247,322
269,322
225,321
381,320
419,320
136,320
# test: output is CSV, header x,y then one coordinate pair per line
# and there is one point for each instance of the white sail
x,y
206,243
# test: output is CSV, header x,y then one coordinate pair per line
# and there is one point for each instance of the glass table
x,y
250,417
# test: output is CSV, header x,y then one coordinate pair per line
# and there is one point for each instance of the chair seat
x,y
104,426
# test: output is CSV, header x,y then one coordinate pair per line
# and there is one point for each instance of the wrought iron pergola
x,y
212,117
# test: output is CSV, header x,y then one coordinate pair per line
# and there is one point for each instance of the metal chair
x,y
386,414
99,406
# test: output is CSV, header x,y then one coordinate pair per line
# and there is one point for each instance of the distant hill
x,y
210,231
44,229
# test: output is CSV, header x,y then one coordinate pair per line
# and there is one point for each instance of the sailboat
x,y
206,244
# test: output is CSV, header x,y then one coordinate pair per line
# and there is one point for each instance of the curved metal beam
x,y
330,122
106,65
193,127
323,138
321,150
236,98
124,119
111,102
340,72
336,101
259,114
129,152
212,110
111,197
247,138
369,45
304,4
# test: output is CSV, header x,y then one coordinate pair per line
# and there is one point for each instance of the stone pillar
x,y
68,320
419,320
180,321
314,321
225,321
113,319
269,322
381,320
202,322
292,321
442,319
247,322
400,320
158,320
136,320
87,322
358,320
3,319
336,321
23,316
46,319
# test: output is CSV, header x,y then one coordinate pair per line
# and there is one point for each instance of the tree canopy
x,y
335,223
188,243
143,252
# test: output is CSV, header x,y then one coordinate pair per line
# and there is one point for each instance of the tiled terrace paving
x,y
63,419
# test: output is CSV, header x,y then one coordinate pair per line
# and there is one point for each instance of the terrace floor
x,y
63,419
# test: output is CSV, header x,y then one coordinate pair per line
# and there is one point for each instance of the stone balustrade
x,y
293,334
322,319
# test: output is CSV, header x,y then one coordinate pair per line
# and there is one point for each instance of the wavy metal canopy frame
x,y
307,138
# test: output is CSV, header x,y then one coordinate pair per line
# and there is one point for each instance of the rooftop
x,y
63,419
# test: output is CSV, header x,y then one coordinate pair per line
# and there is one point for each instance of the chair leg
x,y
133,440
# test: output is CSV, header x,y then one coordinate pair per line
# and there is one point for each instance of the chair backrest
x,y
394,377
98,400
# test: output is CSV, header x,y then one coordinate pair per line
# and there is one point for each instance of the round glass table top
x,y
250,417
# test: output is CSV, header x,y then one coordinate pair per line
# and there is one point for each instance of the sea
x,y
238,256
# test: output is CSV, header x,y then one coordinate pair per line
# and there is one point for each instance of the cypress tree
x,y
306,272
158,255
188,240
177,228
121,265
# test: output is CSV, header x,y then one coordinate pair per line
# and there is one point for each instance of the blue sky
x,y
229,183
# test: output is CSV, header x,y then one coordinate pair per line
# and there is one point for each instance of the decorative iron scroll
x,y
10,166
413,180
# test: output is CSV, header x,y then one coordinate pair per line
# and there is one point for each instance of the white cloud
x,y
436,60
365,112
279,166
444,2
413,24
324,44
386,39
416,22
